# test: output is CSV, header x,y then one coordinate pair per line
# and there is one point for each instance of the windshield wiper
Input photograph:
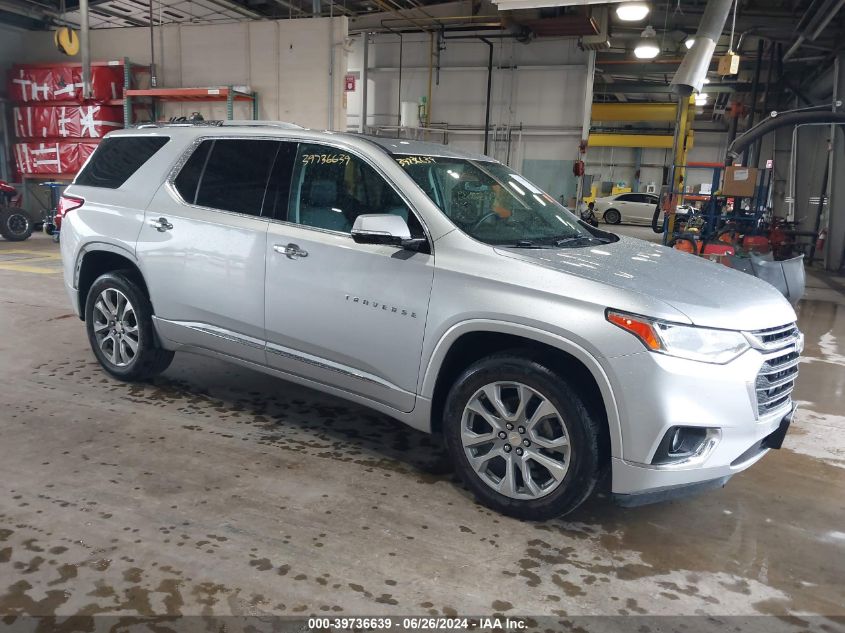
x,y
525,244
566,241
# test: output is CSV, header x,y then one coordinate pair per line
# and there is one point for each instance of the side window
x,y
188,180
331,188
235,175
625,197
117,158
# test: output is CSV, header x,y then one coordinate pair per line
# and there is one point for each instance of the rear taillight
x,y
68,204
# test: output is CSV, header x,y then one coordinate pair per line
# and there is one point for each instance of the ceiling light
x,y
706,80
689,42
647,47
632,11
701,99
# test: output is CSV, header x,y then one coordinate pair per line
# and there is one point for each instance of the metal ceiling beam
x,y
652,87
612,139
116,14
237,8
634,111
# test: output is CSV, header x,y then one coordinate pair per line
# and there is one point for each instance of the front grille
x,y
775,382
775,337
776,378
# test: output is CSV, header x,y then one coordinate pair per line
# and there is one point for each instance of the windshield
x,y
494,204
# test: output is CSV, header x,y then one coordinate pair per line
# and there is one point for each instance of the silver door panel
x,y
348,315
209,268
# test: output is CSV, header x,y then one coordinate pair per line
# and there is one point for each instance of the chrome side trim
x,y
217,332
328,365
285,352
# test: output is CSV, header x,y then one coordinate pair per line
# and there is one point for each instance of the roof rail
x,y
217,123
250,123
155,124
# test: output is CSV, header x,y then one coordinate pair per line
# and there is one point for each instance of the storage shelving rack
x,y
130,71
711,206
214,94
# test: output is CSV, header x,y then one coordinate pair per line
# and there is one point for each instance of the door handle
x,y
161,225
290,251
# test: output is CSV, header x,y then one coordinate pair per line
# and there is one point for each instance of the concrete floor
x,y
217,490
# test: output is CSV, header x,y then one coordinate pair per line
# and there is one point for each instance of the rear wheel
x,y
15,224
521,438
612,216
118,318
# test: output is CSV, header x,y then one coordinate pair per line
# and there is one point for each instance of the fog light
x,y
683,444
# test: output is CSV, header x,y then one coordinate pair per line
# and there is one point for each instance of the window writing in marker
x,y
325,159
405,161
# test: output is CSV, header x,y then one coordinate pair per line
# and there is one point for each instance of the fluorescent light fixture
x,y
689,42
706,80
632,11
647,47
701,99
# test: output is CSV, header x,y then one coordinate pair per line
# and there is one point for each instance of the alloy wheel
x,y
515,440
116,327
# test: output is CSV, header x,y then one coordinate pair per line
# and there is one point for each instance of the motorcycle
x,y
15,223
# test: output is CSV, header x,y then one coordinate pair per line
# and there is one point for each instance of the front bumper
x,y
656,392
655,486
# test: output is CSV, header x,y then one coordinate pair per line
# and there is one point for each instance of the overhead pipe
x,y
816,24
486,40
778,120
755,86
758,144
691,73
489,89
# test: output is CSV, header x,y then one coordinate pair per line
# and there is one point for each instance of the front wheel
x,y
521,438
15,224
612,216
118,318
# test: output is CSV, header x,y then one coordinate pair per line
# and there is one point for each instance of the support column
x,y
365,65
85,49
833,260
585,120
683,124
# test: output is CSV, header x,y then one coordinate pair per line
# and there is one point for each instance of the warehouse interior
x,y
709,127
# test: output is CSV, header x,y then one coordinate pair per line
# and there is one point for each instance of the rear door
x,y
638,208
202,247
348,315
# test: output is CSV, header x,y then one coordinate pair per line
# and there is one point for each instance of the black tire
x,y
15,224
149,359
612,216
584,430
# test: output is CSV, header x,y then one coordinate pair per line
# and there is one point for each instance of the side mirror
x,y
380,228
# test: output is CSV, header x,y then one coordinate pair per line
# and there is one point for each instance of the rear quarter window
x,y
117,158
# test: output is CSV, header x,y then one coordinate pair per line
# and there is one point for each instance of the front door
x,y
348,315
202,248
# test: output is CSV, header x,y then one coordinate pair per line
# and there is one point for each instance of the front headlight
x,y
685,341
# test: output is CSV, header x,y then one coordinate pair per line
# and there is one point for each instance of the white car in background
x,y
636,208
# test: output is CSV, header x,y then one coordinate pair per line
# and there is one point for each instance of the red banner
x,y
62,83
61,157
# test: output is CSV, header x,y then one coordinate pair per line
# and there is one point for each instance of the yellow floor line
x,y
20,268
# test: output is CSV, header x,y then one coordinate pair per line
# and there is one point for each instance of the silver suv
x,y
440,288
